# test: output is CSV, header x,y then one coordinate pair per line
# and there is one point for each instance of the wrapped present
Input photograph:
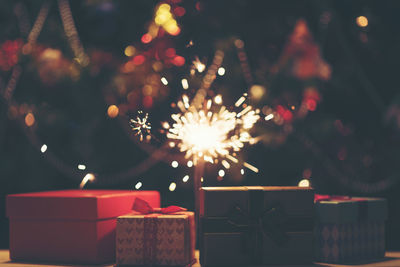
x,y
349,229
242,226
155,237
69,226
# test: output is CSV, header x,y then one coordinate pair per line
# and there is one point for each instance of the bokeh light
x,y
362,21
112,111
29,119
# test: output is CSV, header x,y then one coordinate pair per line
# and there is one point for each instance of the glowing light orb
x,y
362,21
112,111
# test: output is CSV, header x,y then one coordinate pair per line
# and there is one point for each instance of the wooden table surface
x,y
392,259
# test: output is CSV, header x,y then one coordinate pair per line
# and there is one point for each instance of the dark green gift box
x,y
256,225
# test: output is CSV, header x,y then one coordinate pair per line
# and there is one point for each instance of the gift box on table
x,y
256,225
69,226
155,237
349,229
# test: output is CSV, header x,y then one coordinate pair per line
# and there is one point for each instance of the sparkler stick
x,y
198,175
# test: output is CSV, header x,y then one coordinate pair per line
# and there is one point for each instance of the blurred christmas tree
x,y
72,76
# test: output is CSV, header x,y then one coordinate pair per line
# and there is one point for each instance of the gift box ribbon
x,y
256,222
151,227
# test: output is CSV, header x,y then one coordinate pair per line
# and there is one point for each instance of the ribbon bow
x,y
267,223
144,207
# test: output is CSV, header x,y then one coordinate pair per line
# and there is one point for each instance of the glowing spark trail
x,y
211,131
141,125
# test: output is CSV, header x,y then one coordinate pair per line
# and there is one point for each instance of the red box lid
x,y
76,204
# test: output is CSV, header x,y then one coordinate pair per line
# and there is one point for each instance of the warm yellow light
x,y
29,119
208,133
362,21
157,66
130,51
112,111
221,173
304,183
221,71
257,91
218,99
172,187
164,7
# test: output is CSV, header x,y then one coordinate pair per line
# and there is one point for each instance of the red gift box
x,y
69,226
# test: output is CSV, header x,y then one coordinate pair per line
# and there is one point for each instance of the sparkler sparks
x,y
198,65
211,131
141,125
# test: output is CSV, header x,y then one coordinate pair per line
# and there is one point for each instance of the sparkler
x,y
208,132
141,125
211,131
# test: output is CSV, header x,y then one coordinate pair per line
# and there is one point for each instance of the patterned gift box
x,y
156,239
350,230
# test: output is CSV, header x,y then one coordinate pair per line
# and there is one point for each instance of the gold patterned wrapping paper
x,y
156,239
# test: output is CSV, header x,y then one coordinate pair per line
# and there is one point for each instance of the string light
x,y
242,171
185,178
138,185
172,187
81,167
72,33
88,178
43,148
189,163
37,27
221,173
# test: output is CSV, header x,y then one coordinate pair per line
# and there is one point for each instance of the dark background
x,y
348,145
